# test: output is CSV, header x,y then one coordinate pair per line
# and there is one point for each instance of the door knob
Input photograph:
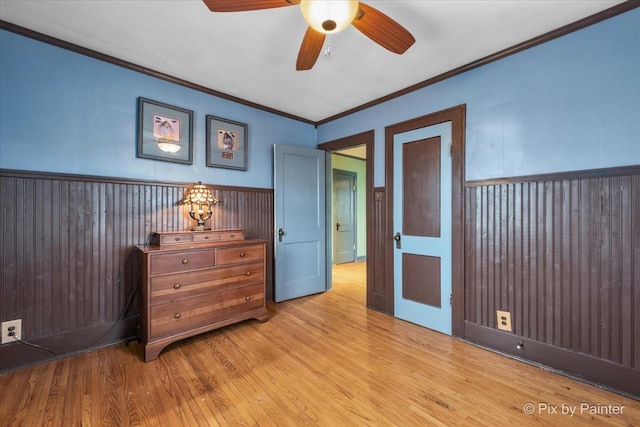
x,y
337,226
397,238
280,234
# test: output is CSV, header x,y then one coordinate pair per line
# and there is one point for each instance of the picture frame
x,y
165,132
226,143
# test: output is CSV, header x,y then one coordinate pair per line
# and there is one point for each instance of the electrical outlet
x,y
11,331
504,320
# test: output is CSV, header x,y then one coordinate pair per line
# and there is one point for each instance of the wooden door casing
x,y
457,116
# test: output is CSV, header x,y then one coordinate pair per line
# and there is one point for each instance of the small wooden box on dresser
x,y
196,281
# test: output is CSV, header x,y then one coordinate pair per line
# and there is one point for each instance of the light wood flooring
x,y
320,360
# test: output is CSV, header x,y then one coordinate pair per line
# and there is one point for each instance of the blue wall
x,y
569,104
68,113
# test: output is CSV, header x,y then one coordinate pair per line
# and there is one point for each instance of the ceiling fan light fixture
x,y
329,16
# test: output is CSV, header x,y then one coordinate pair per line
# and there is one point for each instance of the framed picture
x,y
226,143
165,132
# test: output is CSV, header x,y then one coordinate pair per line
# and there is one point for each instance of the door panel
x,y
421,176
344,204
421,279
299,222
422,214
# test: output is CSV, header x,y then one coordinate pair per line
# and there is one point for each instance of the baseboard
x,y
20,355
583,367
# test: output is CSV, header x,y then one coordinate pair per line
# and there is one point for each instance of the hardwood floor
x,y
320,360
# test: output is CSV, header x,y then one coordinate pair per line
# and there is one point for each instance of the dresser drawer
x,y
176,286
181,261
232,235
174,239
238,254
200,311
206,237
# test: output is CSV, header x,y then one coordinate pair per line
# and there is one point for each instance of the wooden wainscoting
x,y
380,293
561,253
68,268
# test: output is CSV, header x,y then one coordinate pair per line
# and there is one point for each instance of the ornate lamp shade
x,y
200,201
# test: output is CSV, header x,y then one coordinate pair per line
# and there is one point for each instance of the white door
x,y
300,239
422,226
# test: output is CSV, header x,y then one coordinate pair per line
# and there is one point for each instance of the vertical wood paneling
x,y
377,292
489,252
575,266
594,245
471,254
518,261
502,299
251,210
565,246
627,224
562,255
634,326
585,265
66,243
538,262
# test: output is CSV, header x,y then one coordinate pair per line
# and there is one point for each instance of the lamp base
x,y
200,228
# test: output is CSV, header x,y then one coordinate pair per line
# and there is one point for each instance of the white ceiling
x,y
252,55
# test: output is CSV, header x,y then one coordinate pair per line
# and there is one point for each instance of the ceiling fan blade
x,y
310,49
382,29
245,5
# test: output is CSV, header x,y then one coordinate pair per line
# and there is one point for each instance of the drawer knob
x,y
248,273
177,239
177,316
185,261
177,286
232,236
241,254
206,237
247,298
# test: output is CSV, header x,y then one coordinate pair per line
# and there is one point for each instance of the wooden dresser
x,y
193,282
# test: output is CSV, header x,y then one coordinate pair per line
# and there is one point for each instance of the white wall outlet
x,y
11,331
504,320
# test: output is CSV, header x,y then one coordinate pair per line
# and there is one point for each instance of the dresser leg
x,y
151,352
263,318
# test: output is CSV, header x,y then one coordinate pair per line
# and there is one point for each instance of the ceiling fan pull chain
x,y
327,49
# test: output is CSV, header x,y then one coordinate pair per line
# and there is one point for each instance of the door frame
x,y
457,117
366,139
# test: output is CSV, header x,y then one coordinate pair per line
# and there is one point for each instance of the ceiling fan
x,y
327,17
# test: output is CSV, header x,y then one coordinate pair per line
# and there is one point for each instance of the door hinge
x,y
451,150
451,300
